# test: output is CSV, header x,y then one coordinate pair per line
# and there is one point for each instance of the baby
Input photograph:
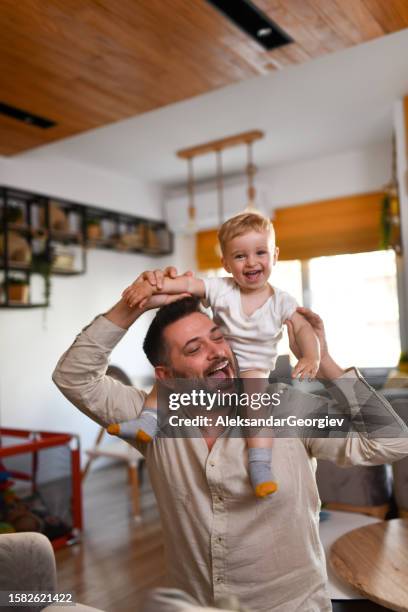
x,y
251,314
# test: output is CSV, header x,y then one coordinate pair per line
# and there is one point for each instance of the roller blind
x,y
331,227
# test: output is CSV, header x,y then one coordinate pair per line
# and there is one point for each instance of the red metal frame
x,y
40,440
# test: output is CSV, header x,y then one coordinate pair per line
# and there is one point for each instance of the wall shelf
x,y
40,235
13,304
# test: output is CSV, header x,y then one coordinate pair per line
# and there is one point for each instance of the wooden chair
x,y
121,451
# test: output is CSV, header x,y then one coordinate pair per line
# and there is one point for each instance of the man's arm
x,y
378,434
81,372
308,364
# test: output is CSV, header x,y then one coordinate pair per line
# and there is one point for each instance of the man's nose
x,y
215,351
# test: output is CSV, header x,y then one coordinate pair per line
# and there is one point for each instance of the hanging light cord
x,y
250,171
191,207
220,187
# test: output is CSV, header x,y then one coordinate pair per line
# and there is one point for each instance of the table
x,y
374,560
330,530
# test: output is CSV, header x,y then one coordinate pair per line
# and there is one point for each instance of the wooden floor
x,y
116,560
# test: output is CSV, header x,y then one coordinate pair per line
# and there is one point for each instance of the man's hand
x,y
155,277
328,369
142,292
138,293
318,328
124,316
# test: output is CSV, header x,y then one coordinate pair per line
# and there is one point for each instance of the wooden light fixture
x,y
217,147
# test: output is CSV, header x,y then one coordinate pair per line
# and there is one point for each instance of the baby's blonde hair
x,y
242,224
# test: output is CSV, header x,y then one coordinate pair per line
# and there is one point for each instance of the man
x,y
219,539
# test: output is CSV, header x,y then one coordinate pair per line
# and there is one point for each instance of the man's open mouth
x,y
253,275
222,370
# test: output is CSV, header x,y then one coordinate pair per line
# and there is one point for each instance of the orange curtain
x,y
331,227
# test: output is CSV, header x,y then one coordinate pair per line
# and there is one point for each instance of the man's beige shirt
x,y
219,538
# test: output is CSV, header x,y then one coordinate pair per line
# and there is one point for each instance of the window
x,y
356,296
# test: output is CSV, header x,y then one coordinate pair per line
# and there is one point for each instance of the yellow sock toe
x,y
266,488
113,429
142,436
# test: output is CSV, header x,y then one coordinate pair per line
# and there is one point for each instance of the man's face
x,y
197,349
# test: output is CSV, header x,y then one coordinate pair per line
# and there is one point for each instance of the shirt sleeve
x,y
377,434
286,305
80,375
214,288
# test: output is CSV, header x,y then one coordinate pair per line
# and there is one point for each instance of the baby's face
x,y
250,258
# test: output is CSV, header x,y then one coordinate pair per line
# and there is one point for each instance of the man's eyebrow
x,y
197,338
190,341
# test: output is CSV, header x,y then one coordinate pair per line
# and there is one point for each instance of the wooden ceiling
x,y
87,63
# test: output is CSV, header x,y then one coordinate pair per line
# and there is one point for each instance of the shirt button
x,y
219,539
219,579
212,463
220,498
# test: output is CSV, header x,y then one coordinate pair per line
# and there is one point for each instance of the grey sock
x,y
260,466
147,422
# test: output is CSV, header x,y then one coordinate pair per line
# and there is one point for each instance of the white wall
x,y
329,177
31,341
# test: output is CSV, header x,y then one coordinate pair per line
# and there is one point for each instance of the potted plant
x,y
14,215
42,265
17,290
403,363
93,229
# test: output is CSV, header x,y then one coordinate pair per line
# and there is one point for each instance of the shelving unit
x,y
49,236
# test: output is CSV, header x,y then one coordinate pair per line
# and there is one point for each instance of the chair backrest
x,y
367,490
398,399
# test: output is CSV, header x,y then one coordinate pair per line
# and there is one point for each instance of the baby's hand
x,y
138,293
306,368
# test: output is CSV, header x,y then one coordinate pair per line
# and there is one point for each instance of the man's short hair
x,y
154,344
242,224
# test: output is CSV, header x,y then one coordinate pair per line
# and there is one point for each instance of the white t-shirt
x,y
254,339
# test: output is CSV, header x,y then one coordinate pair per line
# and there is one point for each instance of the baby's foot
x,y
143,429
260,471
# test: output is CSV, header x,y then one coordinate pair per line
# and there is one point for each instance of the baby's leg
x,y
260,466
144,428
260,448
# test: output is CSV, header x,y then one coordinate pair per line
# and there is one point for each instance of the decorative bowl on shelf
x,y
63,259
18,249
131,240
93,229
58,220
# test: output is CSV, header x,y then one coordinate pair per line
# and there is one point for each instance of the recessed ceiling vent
x,y
25,117
254,22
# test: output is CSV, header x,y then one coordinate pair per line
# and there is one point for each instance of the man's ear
x,y
226,267
276,255
162,372
165,376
